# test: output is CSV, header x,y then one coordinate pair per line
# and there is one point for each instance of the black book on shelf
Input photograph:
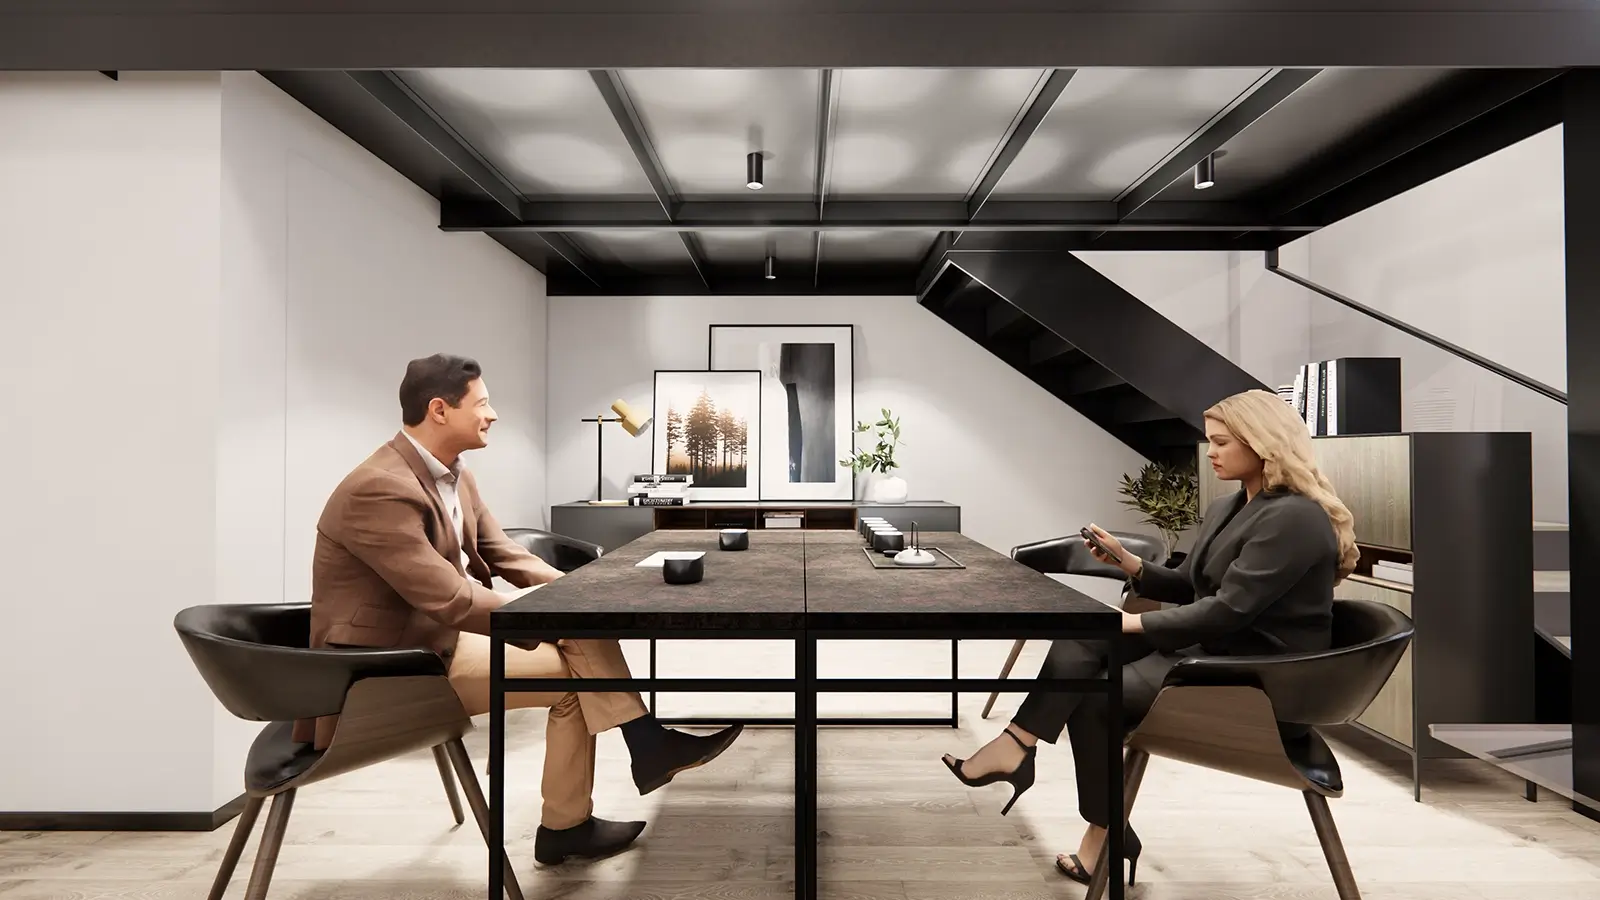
x,y
1353,395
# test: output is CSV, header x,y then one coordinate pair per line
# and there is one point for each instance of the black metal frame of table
x,y
806,685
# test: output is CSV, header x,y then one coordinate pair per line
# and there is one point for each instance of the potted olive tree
x,y
1168,495
886,488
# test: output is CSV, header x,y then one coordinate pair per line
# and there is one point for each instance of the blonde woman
x,y
1259,581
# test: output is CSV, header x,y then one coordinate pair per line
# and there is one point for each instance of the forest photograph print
x,y
708,425
807,393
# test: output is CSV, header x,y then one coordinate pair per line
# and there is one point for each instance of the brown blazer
x,y
387,572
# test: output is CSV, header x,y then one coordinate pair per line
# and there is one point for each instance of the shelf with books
x,y
1349,395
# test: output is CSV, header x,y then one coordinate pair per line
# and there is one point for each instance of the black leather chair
x,y
389,702
562,552
1257,717
1068,556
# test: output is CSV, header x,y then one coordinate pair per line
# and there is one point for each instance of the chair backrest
x,y
1328,687
1068,556
255,659
562,552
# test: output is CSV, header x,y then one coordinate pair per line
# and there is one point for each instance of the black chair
x,y
389,702
1068,556
562,552
1257,717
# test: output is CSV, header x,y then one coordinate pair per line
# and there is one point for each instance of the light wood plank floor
x,y
896,825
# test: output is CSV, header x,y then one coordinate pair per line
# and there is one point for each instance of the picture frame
x,y
708,423
808,395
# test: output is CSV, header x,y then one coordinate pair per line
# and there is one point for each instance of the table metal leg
x,y
652,706
497,767
805,770
955,672
1116,830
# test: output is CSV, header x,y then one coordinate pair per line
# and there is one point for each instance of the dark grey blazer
x,y
1259,580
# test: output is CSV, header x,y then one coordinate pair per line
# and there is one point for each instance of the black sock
x,y
641,733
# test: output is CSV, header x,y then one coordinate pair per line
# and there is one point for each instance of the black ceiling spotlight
x,y
753,171
1205,172
769,274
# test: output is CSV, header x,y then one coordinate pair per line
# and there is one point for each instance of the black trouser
x,y
1085,716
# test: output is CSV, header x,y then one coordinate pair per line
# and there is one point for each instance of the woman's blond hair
x,y
1270,427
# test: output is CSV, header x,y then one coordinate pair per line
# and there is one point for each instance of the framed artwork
x,y
808,392
708,424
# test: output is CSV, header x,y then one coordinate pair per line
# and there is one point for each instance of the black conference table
x,y
801,586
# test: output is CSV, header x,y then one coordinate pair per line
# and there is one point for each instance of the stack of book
x,y
660,490
1356,395
1388,570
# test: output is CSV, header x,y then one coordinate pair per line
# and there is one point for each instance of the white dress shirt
x,y
446,478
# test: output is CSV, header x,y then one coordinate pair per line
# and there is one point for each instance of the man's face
x,y
468,424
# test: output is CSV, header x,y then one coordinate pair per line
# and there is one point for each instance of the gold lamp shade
x,y
632,420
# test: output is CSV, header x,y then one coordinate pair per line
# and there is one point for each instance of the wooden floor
x,y
896,825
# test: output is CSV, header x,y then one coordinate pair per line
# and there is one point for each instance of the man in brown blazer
x,y
406,551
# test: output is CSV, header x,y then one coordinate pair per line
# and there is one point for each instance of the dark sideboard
x,y
611,526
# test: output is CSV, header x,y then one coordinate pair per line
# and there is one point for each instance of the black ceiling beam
x,y
1095,239
874,215
1268,93
397,97
827,120
849,280
1475,115
359,34
1022,129
631,123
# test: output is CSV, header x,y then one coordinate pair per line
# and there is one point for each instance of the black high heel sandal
x,y
1020,778
1131,848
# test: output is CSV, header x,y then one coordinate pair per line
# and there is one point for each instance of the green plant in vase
x,y
1168,495
880,459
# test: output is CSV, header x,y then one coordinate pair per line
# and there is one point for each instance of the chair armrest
x,y
1326,687
572,553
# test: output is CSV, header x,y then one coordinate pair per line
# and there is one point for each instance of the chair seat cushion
x,y
1313,758
276,758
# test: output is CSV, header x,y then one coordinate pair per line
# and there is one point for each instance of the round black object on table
x,y
683,571
734,539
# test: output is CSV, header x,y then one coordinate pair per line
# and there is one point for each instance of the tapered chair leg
x,y
1005,672
241,836
271,842
1133,764
457,753
443,761
1332,848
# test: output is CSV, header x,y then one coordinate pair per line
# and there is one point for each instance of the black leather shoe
x,y
593,839
676,751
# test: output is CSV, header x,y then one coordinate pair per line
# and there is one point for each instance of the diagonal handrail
x,y
1537,387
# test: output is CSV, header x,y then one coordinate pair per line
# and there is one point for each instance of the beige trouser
x,y
575,719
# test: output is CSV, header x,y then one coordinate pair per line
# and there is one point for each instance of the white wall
x,y
1477,257
210,295
108,343
1022,464
335,273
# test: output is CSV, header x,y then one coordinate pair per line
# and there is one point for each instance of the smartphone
x,y
1095,542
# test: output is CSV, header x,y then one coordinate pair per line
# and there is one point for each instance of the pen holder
x,y
683,571
734,539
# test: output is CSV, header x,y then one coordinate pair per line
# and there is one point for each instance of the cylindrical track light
x,y
753,171
769,274
1205,172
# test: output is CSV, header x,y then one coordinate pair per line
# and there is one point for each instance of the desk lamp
x,y
633,423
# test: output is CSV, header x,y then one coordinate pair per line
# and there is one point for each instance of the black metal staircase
x,y
1098,348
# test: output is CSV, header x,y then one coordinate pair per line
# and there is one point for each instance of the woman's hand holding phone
x,y
1125,561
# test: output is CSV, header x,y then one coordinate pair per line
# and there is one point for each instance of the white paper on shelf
x,y
658,558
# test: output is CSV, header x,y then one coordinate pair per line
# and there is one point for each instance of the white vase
x,y
887,489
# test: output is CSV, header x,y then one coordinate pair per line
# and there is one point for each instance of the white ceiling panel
x,y
548,131
922,132
751,247
640,248
876,246
704,122
1110,126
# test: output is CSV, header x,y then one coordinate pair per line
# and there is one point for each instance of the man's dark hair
x,y
440,375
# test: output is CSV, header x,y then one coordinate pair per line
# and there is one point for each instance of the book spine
x,y
1333,394
637,500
